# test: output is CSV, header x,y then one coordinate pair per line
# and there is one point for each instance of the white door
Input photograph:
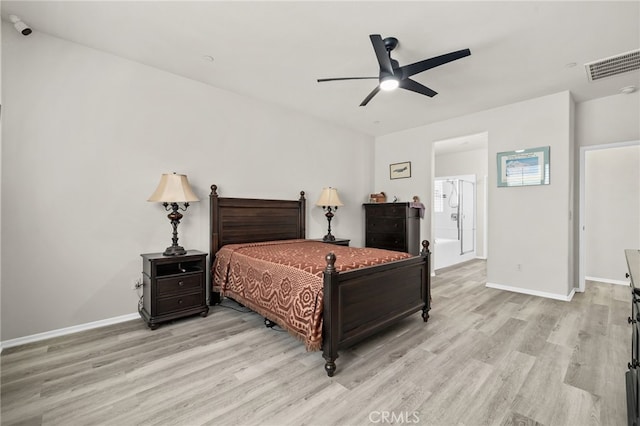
x,y
610,211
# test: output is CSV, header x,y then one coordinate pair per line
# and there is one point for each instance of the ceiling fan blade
x,y
320,80
381,53
370,96
417,67
414,86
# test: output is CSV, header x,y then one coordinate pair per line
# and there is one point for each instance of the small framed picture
x,y
400,170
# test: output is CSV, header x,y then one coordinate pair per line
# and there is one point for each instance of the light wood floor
x,y
485,357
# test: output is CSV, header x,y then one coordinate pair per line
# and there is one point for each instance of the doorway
x,y
459,199
608,211
455,219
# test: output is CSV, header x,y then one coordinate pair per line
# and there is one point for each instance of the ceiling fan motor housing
x,y
390,43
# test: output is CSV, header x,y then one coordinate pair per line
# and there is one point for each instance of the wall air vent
x,y
613,65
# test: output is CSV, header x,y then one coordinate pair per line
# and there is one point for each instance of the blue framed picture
x,y
524,167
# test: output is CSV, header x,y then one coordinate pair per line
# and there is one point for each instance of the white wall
x,y
529,226
608,120
612,211
86,136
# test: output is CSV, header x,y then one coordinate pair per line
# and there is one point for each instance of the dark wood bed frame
x,y
357,303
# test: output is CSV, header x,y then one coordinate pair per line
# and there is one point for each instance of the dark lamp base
x,y
328,237
174,251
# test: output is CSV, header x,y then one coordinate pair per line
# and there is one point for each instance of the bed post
x,y
426,254
214,297
303,215
330,315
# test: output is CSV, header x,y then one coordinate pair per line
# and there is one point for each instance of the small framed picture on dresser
x,y
400,170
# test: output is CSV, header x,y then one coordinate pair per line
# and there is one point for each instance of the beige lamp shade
x,y
173,188
329,197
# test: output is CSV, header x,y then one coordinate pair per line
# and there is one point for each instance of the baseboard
x,y
555,296
481,257
607,281
64,331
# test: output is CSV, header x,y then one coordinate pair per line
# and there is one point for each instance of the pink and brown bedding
x,y
283,280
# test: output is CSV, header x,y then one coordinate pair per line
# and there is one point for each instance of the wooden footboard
x,y
361,302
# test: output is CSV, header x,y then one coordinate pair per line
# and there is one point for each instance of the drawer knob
x,y
181,283
180,302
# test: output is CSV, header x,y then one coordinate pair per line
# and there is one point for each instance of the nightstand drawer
x,y
178,303
179,285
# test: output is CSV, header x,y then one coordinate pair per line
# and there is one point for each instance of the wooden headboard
x,y
244,220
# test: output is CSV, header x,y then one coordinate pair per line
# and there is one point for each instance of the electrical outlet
x,y
136,283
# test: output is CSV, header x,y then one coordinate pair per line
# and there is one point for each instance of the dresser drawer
x,y
386,241
386,224
392,210
178,303
179,285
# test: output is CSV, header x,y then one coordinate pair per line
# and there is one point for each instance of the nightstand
x,y
337,241
173,287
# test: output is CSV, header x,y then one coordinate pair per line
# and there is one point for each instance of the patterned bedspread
x,y
282,280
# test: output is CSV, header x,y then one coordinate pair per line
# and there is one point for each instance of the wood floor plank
x,y
485,357
613,376
577,407
565,330
536,333
516,419
449,402
543,385
489,408
586,362
499,345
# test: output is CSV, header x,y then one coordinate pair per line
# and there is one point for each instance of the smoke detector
x,y
614,65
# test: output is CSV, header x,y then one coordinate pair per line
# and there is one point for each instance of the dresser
x,y
633,385
392,226
173,287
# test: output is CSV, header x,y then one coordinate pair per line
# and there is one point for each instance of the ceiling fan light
x,y
389,83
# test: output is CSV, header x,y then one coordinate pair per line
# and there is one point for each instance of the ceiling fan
x,y
392,75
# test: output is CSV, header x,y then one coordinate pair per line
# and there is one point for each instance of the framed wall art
x,y
400,170
524,167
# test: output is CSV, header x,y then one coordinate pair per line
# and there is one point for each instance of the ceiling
x,y
275,51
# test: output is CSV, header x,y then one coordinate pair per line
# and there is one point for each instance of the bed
x,y
351,304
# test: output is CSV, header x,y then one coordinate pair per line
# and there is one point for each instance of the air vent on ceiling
x,y
613,65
